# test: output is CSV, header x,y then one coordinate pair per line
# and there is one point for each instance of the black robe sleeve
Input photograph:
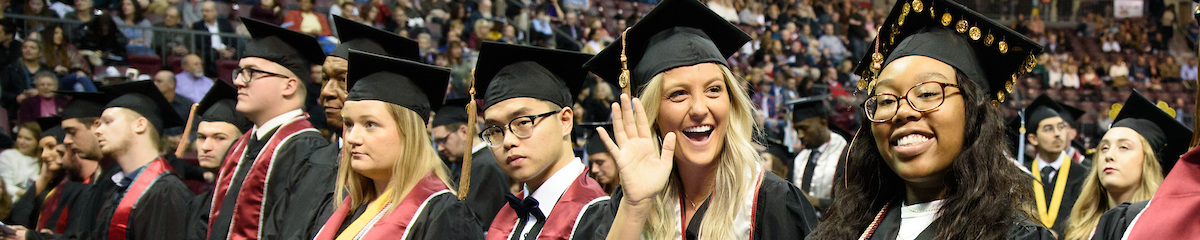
x,y
445,217
1028,230
25,210
86,208
782,212
1116,221
301,187
161,213
197,223
597,219
489,184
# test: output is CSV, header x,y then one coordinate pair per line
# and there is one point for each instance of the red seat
x,y
175,63
225,69
146,64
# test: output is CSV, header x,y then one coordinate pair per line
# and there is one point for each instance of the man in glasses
x,y
268,186
1047,131
527,124
450,134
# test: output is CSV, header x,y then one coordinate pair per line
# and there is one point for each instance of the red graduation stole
x,y
120,219
560,224
395,224
1173,209
50,205
248,210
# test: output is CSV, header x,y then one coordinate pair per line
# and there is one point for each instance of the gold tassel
x,y
464,183
187,129
625,78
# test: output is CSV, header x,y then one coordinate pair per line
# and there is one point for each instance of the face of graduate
x,y
49,156
920,146
813,131
373,137
1121,158
1051,136
695,105
450,141
532,158
265,92
603,167
213,139
116,130
81,139
333,93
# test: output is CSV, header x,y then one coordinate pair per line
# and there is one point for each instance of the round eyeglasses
x,y
923,97
521,127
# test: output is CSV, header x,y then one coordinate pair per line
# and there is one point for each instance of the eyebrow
x,y
706,83
514,114
922,77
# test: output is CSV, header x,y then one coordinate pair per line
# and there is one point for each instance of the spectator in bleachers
x,y
171,43
384,14
19,164
43,104
10,47
1140,72
371,11
483,10
833,43
460,70
1089,79
268,11
83,13
1169,70
102,43
217,47
17,83
131,14
1119,73
1054,74
165,81
306,21
35,8
159,7
1187,72
1070,78
571,26
64,58
191,10
482,32
426,49
191,82
752,14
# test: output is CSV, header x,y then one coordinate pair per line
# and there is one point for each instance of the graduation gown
x,y
88,202
582,212
827,169
489,185
1073,188
889,227
152,207
274,182
428,211
197,225
1115,222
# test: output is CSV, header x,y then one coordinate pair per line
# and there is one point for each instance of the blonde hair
x,y
734,166
418,158
1094,200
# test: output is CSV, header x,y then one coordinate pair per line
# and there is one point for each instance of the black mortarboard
x,y
809,107
294,50
84,104
454,111
955,35
219,105
594,143
1040,109
675,33
365,38
1166,136
776,148
1070,114
507,71
144,98
416,86
50,127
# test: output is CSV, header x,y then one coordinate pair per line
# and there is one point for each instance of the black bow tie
x,y
525,207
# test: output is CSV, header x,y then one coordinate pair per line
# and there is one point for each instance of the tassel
x,y
187,129
464,182
624,79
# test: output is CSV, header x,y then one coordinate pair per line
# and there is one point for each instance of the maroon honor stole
x,y
395,224
50,205
561,222
248,210
120,219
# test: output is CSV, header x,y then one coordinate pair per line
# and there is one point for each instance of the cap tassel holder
x,y
464,183
187,130
625,78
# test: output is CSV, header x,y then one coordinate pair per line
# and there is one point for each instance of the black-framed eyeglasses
x,y
442,140
254,74
521,127
923,97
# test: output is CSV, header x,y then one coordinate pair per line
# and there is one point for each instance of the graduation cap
x,y
50,127
1157,124
453,111
506,71
294,50
416,86
219,105
675,33
594,143
1070,114
1042,108
365,38
809,107
83,104
144,98
955,35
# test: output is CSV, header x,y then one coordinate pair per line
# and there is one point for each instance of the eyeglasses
x,y
239,72
441,140
521,127
926,97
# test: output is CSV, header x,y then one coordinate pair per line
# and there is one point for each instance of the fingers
x,y
618,124
643,127
628,118
608,142
668,148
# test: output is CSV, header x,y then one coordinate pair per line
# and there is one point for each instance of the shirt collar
x,y
261,131
550,191
125,179
1057,163
478,146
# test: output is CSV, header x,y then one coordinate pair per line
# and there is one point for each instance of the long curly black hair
x,y
985,192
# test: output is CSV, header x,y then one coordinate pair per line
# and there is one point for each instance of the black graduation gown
x,y
198,210
1074,187
300,189
444,217
86,205
489,184
1116,221
161,213
890,227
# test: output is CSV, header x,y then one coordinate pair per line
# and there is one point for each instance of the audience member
x,y
43,104
266,11
129,15
306,21
218,47
18,76
102,43
172,43
19,165
191,81
83,13
10,47
191,10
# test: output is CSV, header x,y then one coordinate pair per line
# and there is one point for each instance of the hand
x,y
644,171
61,70
180,50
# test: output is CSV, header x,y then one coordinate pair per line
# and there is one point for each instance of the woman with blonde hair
x,y
706,182
1130,162
394,182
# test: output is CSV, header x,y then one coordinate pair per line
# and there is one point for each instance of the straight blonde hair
x,y
1094,200
418,158
735,166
